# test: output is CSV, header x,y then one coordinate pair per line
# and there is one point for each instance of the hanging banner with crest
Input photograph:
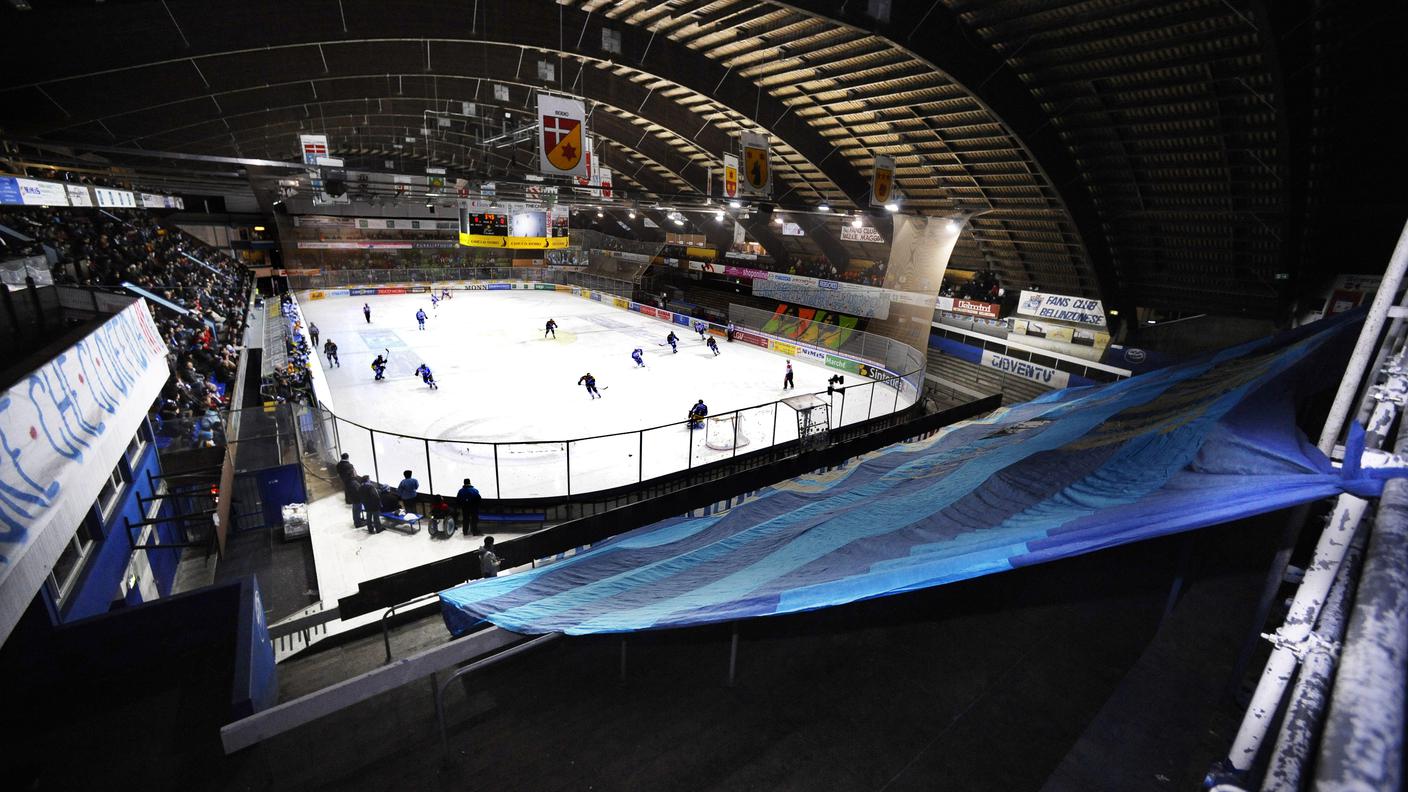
x,y
730,176
882,182
757,170
562,135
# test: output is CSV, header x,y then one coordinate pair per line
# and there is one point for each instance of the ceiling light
x,y
632,215
679,221
599,214
892,207
952,224
777,219
824,207
735,205
259,228
855,222
719,216
1150,321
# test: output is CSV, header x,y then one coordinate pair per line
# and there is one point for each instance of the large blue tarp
x,y
1201,443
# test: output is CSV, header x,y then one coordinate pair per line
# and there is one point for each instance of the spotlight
x,y
735,205
679,221
824,207
855,222
599,214
777,219
892,207
719,216
952,224
631,214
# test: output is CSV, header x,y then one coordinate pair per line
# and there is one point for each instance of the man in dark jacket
x,y
467,499
370,496
347,473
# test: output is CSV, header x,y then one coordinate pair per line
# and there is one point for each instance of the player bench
x,y
515,517
408,524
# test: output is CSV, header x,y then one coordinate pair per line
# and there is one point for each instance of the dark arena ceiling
x,y
1188,156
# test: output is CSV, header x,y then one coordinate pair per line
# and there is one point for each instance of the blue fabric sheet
x,y
1074,471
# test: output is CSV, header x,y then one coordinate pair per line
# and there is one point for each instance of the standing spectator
x,y
468,501
730,331
407,490
489,562
313,332
371,502
347,473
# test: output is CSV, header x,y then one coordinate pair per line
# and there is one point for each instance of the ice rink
x,y
509,413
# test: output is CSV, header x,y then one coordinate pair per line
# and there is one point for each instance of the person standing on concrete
x,y
489,562
371,502
407,490
468,501
347,473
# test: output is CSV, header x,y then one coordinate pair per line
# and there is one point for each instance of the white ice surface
x,y
502,382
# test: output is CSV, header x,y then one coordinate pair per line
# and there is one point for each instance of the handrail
x,y
391,611
475,666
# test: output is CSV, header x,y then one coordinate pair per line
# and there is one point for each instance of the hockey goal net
x,y
724,433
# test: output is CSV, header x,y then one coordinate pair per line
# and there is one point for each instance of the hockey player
x,y
550,327
590,381
379,366
420,317
429,379
787,378
701,328
730,331
367,312
713,345
674,342
434,302
697,413
445,294
639,357
330,349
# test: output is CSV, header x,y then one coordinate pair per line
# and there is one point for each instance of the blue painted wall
x,y
111,554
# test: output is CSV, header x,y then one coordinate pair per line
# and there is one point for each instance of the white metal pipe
x,y
1290,639
1363,744
1300,728
1364,348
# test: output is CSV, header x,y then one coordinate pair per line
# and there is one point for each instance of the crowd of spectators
x,y
102,249
821,267
982,287
294,380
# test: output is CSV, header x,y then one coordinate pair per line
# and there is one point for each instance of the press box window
x,y
66,570
111,493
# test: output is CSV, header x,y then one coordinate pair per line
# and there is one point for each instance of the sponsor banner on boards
x,y
751,338
1050,377
986,310
808,352
783,347
745,272
845,364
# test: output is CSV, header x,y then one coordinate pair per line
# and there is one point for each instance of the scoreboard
x,y
486,224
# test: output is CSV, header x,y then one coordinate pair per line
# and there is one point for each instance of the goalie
x,y
697,413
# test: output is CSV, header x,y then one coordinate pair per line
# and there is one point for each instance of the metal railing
x,y
1360,703
554,468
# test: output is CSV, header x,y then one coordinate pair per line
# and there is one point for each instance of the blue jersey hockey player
x,y
420,317
429,379
639,357
589,381
697,414
674,341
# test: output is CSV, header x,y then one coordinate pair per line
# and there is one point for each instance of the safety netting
x,y
1201,443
